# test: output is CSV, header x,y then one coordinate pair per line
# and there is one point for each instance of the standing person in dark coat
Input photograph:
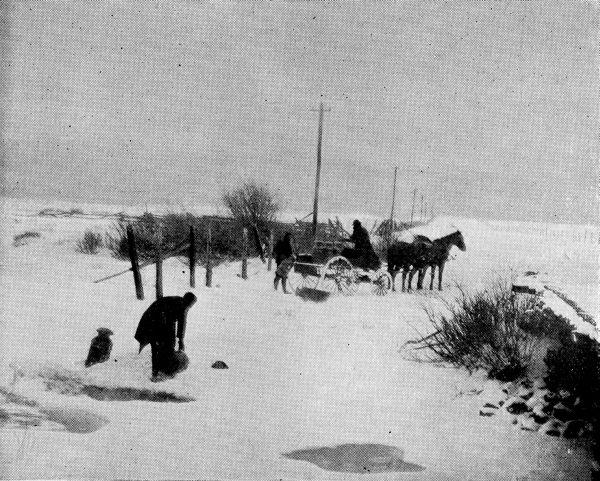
x,y
160,326
284,258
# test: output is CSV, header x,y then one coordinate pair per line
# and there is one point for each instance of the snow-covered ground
x,y
300,374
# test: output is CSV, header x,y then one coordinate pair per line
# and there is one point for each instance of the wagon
x,y
326,270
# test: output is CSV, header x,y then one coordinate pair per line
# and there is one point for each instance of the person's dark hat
x,y
189,298
356,222
104,331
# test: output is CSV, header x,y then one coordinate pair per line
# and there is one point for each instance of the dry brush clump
x,y
481,330
90,243
171,233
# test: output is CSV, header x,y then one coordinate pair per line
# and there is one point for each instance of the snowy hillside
x,y
300,374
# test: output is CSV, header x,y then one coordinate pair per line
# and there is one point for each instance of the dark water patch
x,y
356,458
101,393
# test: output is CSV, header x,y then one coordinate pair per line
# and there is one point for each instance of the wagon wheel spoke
x,y
301,281
382,283
339,277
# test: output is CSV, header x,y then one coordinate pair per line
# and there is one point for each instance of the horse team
x,y
417,256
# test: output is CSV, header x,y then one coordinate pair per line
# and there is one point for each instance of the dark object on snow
x,y
160,326
219,365
517,407
100,347
486,413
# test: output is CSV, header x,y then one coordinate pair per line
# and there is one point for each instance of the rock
x,y
526,383
534,401
516,405
551,428
491,406
486,413
529,424
550,397
562,412
574,428
524,392
219,365
540,409
539,384
540,419
509,389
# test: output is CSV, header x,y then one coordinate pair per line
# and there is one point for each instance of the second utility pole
x,y
319,143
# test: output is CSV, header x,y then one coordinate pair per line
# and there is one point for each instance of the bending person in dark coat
x,y
160,326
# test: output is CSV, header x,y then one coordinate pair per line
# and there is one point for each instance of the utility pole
x,y
318,179
412,212
422,211
393,202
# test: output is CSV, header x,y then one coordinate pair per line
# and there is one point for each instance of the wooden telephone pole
x,y
412,212
393,202
318,179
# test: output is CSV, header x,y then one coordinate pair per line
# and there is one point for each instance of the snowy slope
x,y
301,374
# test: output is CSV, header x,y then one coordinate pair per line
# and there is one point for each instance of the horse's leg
x,y
411,274
420,275
440,270
432,277
393,273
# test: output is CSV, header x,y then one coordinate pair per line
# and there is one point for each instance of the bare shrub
x,y
253,205
90,243
481,331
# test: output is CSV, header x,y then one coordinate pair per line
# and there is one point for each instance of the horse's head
x,y
459,241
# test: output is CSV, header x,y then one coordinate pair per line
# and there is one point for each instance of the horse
x,y
437,254
409,257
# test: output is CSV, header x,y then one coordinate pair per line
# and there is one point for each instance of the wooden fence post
x,y
208,255
159,264
245,254
135,266
192,256
270,252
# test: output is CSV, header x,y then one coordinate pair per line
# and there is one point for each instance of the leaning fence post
x,y
270,252
135,266
159,265
245,254
192,256
208,260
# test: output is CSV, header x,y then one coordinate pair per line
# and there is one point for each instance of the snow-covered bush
x,y
21,239
90,243
481,331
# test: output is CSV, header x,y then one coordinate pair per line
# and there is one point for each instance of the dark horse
x,y
408,257
438,254
419,255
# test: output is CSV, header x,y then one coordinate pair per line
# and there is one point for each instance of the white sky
x,y
489,108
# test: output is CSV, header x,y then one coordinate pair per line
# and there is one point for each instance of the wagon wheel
x,y
382,282
339,276
300,281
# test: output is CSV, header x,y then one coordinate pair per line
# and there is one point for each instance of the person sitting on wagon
x,y
284,258
363,255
